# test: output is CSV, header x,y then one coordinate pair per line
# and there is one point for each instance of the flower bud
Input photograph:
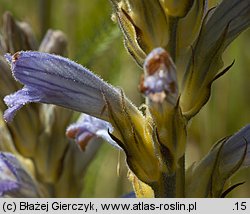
x,y
144,25
54,42
17,35
160,87
160,81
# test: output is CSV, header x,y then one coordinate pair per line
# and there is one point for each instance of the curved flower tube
x,y
56,80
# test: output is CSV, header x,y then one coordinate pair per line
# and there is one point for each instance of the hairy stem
x,y
180,178
171,186
165,187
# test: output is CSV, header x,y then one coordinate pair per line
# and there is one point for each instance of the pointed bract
x,y
208,177
144,26
220,27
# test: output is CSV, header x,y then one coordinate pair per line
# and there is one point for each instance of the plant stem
x,y
171,186
165,187
180,178
172,138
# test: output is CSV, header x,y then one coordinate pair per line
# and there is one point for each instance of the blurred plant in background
x,y
38,158
91,56
38,135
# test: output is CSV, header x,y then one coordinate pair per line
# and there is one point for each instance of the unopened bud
x,y
160,81
144,25
17,35
54,42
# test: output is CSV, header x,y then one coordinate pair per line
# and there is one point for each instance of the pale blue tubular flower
x,y
88,128
14,180
53,79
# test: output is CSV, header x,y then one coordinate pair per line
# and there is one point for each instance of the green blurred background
x,y
96,42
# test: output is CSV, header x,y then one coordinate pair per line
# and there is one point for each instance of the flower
x,y
14,179
88,128
194,38
54,42
160,81
56,80
144,26
17,35
67,84
37,135
177,81
144,31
